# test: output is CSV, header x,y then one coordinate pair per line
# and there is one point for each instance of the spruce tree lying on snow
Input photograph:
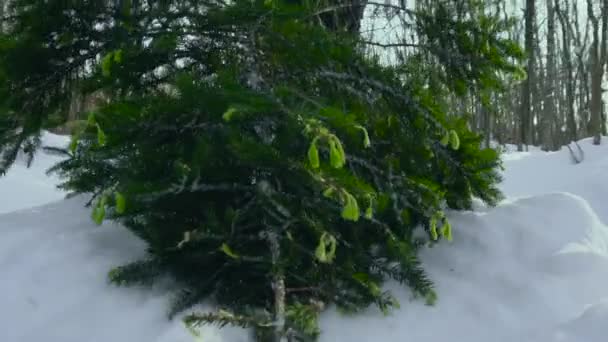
x,y
269,164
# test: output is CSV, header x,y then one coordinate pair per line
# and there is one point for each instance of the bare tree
x,y
569,79
547,123
598,61
341,15
582,71
525,111
2,6
537,89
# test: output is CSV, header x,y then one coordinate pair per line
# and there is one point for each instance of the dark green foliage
x,y
260,156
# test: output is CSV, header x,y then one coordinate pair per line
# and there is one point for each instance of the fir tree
x,y
269,164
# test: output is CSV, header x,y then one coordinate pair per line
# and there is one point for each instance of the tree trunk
x,y
537,90
567,59
344,16
487,126
604,131
598,61
525,111
582,72
548,117
2,5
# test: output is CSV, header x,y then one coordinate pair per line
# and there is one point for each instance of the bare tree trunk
x,y
345,16
515,118
525,111
567,59
2,6
598,61
548,117
537,89
278,286
77,105
560,101
604,131
487,129
582,73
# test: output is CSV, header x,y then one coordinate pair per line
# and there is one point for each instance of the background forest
x,y
561,100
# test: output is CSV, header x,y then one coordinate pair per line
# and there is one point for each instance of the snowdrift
x,y
506,277
54,266
537,172
533,269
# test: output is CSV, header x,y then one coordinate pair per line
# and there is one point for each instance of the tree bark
x,y
525,110
582,73
567,60
537,100
345,16
548,117
598,62
2,6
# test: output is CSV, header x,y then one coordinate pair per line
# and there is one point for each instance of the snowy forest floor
x,y
535,268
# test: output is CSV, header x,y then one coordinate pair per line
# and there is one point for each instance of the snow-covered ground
x,y
26,187
533,269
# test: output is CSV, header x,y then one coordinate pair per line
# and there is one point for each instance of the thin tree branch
x,y
391,45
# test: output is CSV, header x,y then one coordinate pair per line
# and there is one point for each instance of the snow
x,y
502,279
54,265
58,292
532,269
25,187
